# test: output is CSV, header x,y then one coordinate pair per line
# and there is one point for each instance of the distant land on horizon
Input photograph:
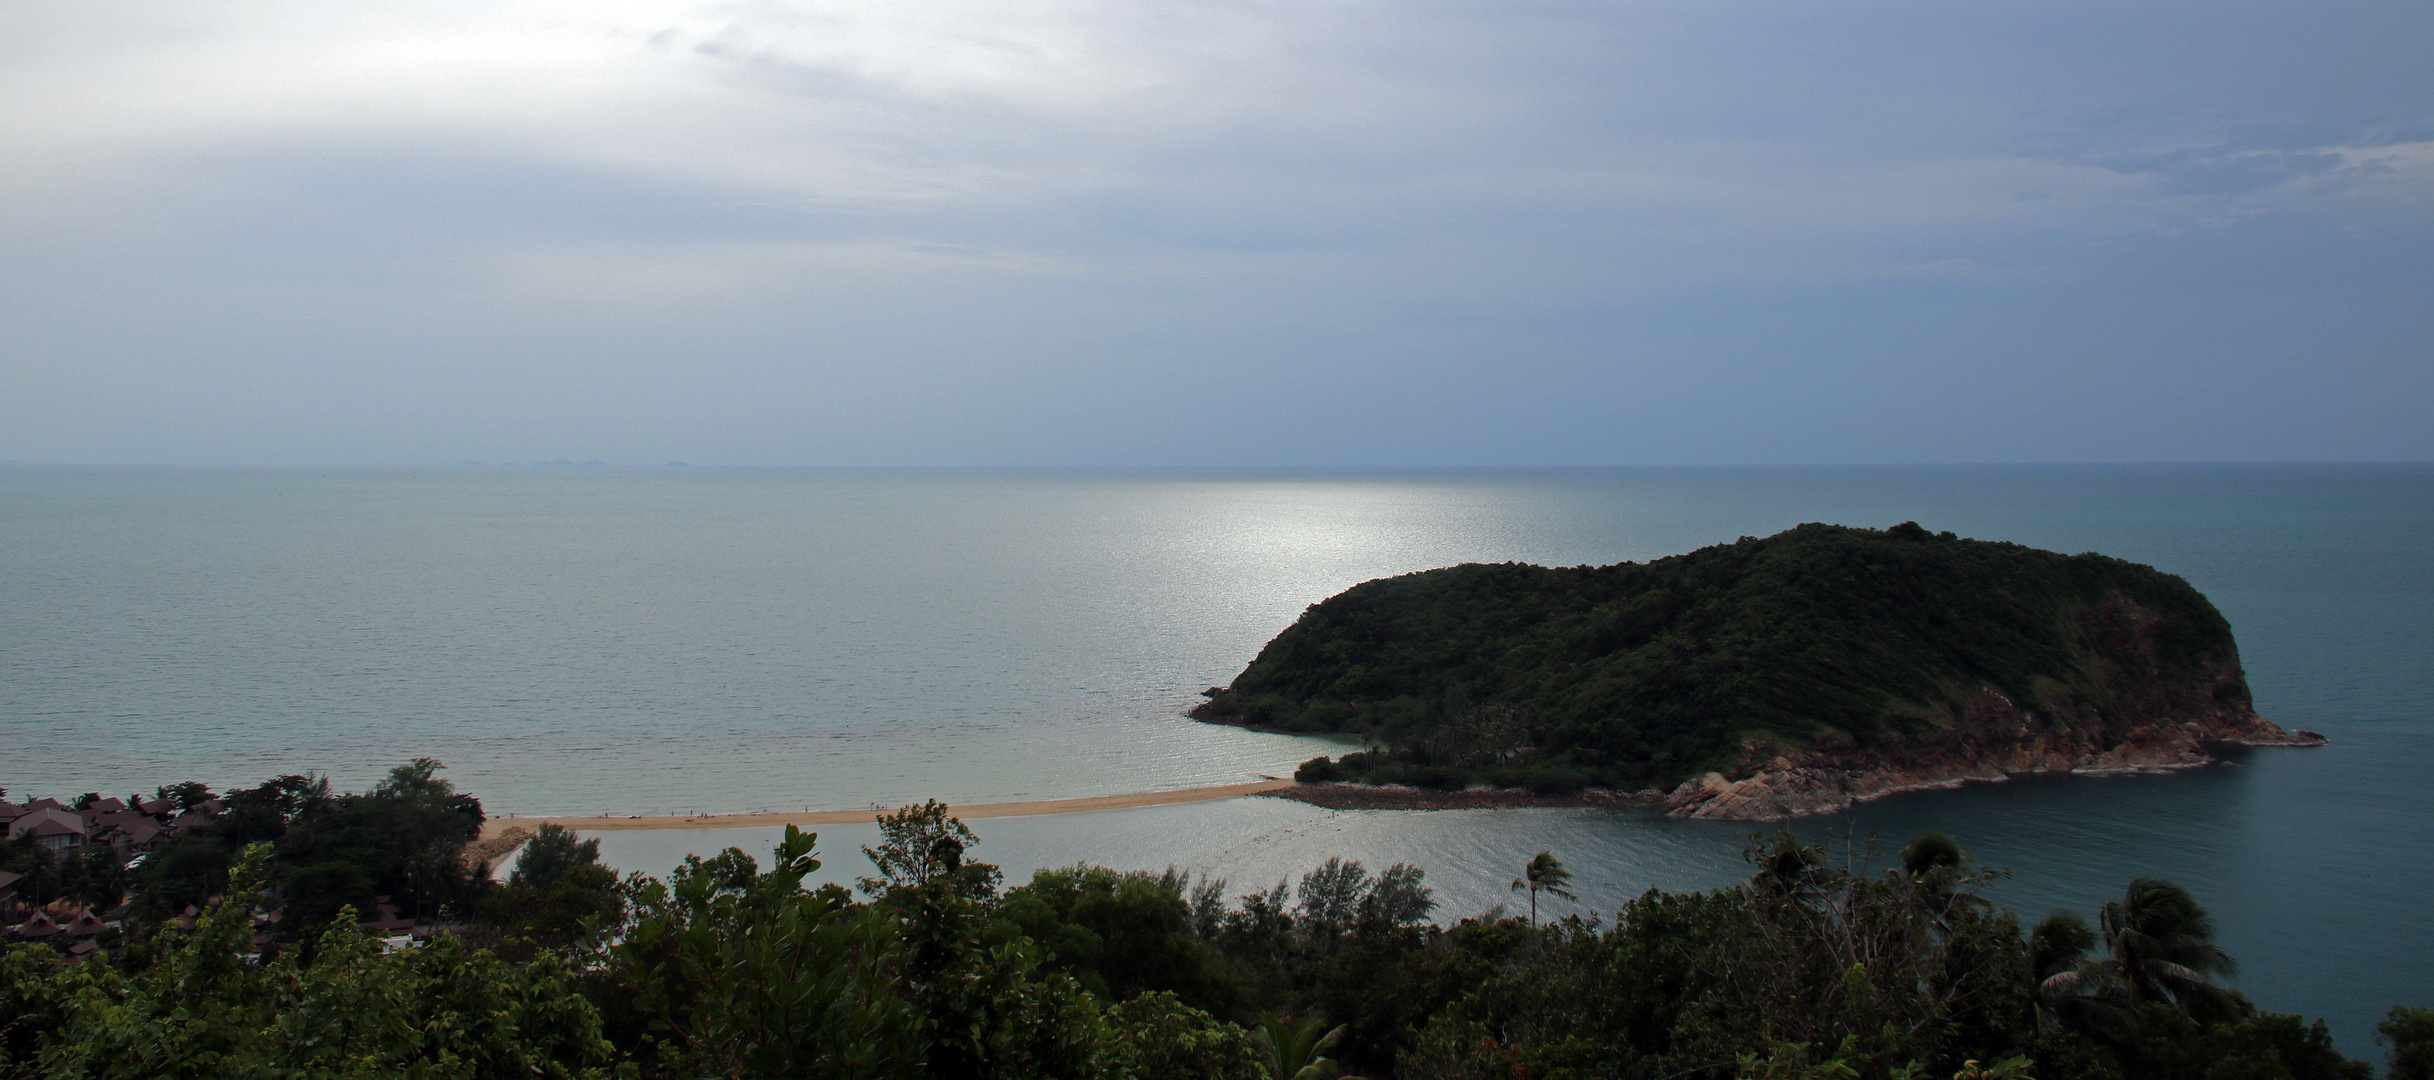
x,y
1257,468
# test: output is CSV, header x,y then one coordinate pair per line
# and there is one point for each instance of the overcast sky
x,y
1168,232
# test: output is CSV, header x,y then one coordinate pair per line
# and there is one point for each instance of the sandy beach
x,y
497,826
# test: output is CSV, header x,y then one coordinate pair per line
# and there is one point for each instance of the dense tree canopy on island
x,y
1649,673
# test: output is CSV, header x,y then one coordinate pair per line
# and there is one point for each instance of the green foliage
x,y
39,865
550,854
187,794
2016,1067
1155,1036
91,876
1791,1061
207,1006
1544,874
2162,945
36,996
989,1009
1931,853
1296,1049
559,898
728,971
1811,955
994,1013
2410,1033
2174,1045
921,844
2147,1005
1116,934
1821,636
566,916
404,838
1382,983
1818,968
2075,990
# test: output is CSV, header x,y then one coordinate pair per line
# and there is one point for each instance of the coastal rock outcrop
x,y
2004,743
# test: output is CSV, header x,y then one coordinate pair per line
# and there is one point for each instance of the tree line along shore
x,y
240,946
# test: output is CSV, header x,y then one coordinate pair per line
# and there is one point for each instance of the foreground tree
x,y
988,1007
405,838
1818,967
2410,1033
550,854
1157,1037
1813,961
2077,991
2162,944
1117,934
728,971
207,1005
558,898
1546,874
1297,1049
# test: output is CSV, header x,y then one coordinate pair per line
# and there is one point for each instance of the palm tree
x,y
1788,871
2074,989
2162,943
1930,852
1546,874
1296,1048
2158,946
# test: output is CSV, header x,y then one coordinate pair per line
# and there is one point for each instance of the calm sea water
x,y
651,641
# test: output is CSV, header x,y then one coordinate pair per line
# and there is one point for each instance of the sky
x,y
1180,233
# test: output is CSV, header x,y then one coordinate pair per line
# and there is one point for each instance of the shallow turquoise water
x,y
665,640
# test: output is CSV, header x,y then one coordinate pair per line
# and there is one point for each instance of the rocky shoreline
x,y
1771,786
1394,797
1806,784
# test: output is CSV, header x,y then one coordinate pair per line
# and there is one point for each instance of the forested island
x,y
1763,679
237,948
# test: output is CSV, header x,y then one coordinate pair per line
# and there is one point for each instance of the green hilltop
x,y
1867,644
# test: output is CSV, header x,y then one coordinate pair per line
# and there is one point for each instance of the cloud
x,y
1340,189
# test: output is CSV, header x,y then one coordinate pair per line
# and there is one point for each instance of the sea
x,y
671,640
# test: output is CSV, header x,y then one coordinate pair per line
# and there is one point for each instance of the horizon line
x,y
566,465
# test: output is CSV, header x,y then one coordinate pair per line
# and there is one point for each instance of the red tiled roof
x,y
48,821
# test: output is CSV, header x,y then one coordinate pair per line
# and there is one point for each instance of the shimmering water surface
x,y
651,641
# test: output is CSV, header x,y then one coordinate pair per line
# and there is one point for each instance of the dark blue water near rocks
x,y
649,641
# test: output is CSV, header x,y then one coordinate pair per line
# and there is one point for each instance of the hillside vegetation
x,y
1846,962
1826,638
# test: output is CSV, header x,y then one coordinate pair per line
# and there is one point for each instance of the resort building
x,y
58,830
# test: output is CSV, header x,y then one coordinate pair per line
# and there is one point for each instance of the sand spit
x,y
499,826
